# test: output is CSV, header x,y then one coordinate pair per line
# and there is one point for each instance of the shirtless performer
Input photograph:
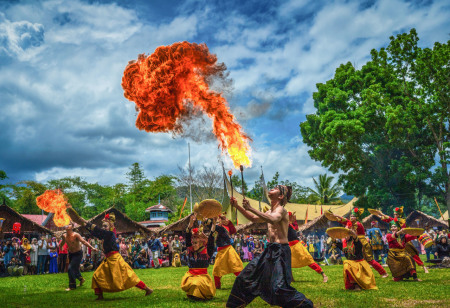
x,y
74,241
269,275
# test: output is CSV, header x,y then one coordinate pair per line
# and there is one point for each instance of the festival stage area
x,y
48,290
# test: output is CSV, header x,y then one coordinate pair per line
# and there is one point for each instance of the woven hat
x,y
209,208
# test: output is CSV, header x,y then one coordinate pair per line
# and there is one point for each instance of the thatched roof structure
x,y
178,226
367,222
252,228
418,219
11,216
444,216
123,224
319,223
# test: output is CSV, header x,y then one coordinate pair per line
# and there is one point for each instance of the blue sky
x,y
62,109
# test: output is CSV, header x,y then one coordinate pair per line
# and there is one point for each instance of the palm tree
x,y
325,193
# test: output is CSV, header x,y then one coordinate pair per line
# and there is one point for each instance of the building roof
x,y
445,216
13,216
419,219
158,207
123,223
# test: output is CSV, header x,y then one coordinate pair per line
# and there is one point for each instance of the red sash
x,y
292,243
198,271
109,254
223,247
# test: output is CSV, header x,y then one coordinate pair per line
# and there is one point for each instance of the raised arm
x,y
84,242
247,214
265,217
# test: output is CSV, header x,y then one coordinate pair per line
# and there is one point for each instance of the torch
x,y
231,183
241,167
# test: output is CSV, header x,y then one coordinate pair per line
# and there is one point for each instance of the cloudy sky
x,y
62,109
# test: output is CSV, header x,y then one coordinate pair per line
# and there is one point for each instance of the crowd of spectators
x,y
39,255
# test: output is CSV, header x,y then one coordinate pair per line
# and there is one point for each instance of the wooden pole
x,y
442,216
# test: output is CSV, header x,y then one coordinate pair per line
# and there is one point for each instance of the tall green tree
x,y
385,126
325,192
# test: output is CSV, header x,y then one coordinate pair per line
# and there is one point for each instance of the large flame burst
x,y
53,201
163,84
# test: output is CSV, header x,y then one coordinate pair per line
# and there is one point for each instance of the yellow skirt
x,y
367,249
300,257
361,273
227,262
200,286
114,275
399,262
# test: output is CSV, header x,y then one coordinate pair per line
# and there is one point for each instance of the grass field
x,y
48,290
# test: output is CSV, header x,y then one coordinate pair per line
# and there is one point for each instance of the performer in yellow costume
x,y
300,257
357,272
113,274
197,284
227,260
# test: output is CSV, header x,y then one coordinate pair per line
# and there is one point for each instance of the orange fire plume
x,y
53,201
167,83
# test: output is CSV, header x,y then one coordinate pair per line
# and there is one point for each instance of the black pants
x,y
74,268
62,262
269,277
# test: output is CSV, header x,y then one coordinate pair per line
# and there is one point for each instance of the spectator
x,y
155,246
8,253
432,235
442,249
62,257
24,255
34,256
42,255
53,255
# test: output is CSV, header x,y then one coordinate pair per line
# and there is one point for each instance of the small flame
x,y
164,84
230,173
53,201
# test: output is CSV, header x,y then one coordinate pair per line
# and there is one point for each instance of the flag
x,y
321,210
306,215
184,203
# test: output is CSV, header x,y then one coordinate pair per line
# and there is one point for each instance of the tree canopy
x,y
386,126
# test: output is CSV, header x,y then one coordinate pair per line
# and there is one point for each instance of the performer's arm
x,y
84,242
210,245
231,228
265,217
247,214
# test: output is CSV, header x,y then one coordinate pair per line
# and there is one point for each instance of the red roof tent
x,y
158,207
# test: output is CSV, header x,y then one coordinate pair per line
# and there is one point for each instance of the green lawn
x,y
48,290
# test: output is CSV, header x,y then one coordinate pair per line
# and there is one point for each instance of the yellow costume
x,y
361,273
227,262
200,286
114,275
300,257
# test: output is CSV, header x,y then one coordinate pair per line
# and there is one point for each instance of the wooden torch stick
x,y
242,179
231,183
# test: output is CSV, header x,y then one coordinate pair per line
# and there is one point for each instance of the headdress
x,y
399,211
373,223
357,212
395,222
198,234
110,218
